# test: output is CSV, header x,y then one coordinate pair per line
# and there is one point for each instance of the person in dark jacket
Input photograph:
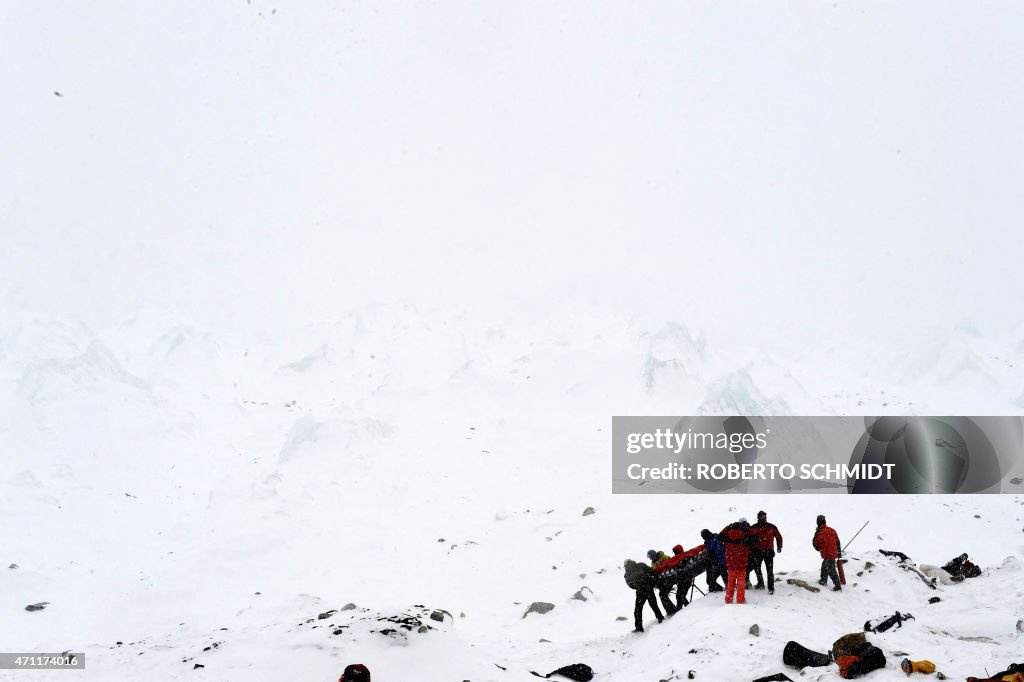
x,y
666,581
355,673
715,560
738,540
681,569
763,553
642,578
826,541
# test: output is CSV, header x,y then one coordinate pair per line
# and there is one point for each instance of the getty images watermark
x,y
858,455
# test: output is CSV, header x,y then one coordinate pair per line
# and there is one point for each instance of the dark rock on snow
x,y
540,607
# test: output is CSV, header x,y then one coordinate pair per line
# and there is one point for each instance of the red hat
x,y
678,549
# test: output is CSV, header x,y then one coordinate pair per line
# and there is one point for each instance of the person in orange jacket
x,y
738,539
826,541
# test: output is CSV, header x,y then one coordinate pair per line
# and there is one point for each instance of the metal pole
x,y
854,537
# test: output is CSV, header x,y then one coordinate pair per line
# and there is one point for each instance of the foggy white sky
x,y
761,169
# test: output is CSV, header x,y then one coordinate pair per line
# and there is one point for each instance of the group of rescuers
x,y
738,550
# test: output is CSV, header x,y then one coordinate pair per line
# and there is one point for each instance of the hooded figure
x,y
641,578
738,539
826,541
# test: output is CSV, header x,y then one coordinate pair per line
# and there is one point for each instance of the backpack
x,y
355,673
848,644
636,576
577,671
798,656
861,661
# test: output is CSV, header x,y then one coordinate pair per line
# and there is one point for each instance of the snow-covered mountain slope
x,y
171,491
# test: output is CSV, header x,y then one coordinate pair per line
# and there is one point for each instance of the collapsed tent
x,y
906,564
961,568
885,623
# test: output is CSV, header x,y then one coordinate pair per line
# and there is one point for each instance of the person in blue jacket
x,y
716,560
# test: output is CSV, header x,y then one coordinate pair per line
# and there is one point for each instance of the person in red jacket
x,y
738,540
826,541
768,536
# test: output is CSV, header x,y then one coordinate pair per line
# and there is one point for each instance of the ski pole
x,y
855,536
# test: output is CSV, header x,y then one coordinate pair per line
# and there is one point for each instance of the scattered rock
x,y
621,618
977,516
868,565
1017,481
544,641
803,584
37,607
198,665
934,600
588,511
327,614
349,607
13,566
540,607
462,614
423,628
755,630
1020,626
581,594
439,615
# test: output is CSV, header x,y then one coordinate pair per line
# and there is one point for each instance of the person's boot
x,y
837,588
823,581
759,586
638,630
